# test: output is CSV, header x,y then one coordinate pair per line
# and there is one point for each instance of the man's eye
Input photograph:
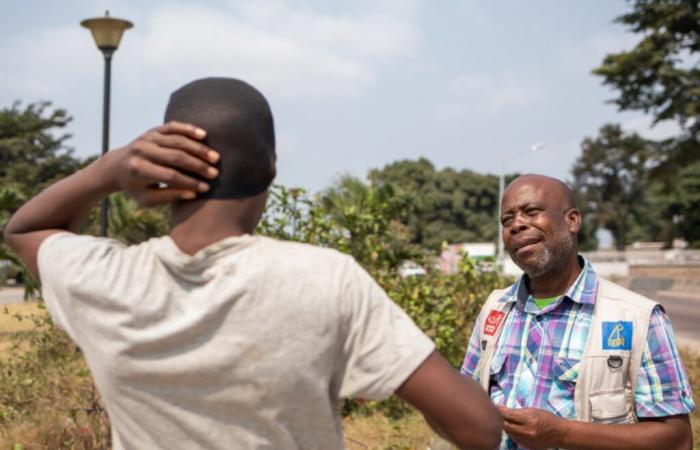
x,y
505,221
533,211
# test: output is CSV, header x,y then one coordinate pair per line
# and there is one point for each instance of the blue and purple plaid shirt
x,y
535,360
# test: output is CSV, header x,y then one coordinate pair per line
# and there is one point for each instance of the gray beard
x,y
552,260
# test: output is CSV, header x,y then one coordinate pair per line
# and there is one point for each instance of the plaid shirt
x,y
662,385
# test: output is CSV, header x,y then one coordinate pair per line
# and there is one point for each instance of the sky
x,y
353,85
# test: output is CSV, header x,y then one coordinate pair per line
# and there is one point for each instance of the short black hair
x,y
239,126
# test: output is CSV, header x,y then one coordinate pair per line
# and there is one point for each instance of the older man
x,y
573,360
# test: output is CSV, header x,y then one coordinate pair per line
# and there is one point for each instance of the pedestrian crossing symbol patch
x,y
617,335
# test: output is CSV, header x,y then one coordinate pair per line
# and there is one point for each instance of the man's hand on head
x,y
533,428
155,167
169,154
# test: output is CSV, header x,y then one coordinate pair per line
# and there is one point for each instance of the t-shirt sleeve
x,y
662,383
71,267
382,346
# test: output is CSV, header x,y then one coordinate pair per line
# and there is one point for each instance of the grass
x,y
16,322
379,432
59,405
692,366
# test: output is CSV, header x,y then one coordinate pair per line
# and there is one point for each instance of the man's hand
x,y
533,428
155,168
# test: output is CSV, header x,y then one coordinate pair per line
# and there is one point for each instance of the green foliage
x,y
659,75
130,223
448,205
610,180
370,220
31,155
676,200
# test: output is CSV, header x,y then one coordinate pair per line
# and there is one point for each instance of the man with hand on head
x,y
573,360
212,337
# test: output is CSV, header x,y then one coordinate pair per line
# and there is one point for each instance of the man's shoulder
x,y
609,290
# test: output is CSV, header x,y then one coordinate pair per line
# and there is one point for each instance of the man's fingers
x,y
186,129
184,143
512,415
177,159
147,173
156,196
513,428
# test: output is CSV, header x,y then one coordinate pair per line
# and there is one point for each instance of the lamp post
x,y
107,33
501,186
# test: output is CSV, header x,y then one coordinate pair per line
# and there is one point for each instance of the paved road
x,y
9,295
684,311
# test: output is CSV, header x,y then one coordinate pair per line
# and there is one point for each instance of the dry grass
x,y
378,432
692,366
15,321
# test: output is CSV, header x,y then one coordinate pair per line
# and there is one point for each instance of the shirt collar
x,y
582,290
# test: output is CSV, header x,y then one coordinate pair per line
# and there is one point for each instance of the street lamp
x,y
107,33
501,186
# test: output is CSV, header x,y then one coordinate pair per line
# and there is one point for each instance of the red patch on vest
x,y
493,321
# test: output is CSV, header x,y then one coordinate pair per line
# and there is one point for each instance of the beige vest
x,y
607,372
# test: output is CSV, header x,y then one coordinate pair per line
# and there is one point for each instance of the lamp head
x,y
107,31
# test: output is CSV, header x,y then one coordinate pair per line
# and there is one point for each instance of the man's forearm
x,y
669,433
63,205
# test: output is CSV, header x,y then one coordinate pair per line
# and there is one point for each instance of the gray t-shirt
x,y
249,344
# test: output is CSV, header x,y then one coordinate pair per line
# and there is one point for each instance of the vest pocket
x,y
561,394
609,406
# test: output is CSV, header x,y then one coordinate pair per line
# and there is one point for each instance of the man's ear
x,y
273,167
573,220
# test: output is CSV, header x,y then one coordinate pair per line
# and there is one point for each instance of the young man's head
x,y
239,126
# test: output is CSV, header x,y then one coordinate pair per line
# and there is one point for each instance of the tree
x,y
33,153
371,219
610,181
677,205
448,205
659,75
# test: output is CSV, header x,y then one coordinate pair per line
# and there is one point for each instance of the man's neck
x,y
555,283
198,224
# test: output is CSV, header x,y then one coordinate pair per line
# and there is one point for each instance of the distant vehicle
x,y
411,269
9,271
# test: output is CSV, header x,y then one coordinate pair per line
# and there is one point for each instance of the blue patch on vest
x,y
617,335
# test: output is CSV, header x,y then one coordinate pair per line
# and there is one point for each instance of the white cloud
x,y
482,93
283,47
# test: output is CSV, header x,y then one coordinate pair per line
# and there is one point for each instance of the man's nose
x,y
520,223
